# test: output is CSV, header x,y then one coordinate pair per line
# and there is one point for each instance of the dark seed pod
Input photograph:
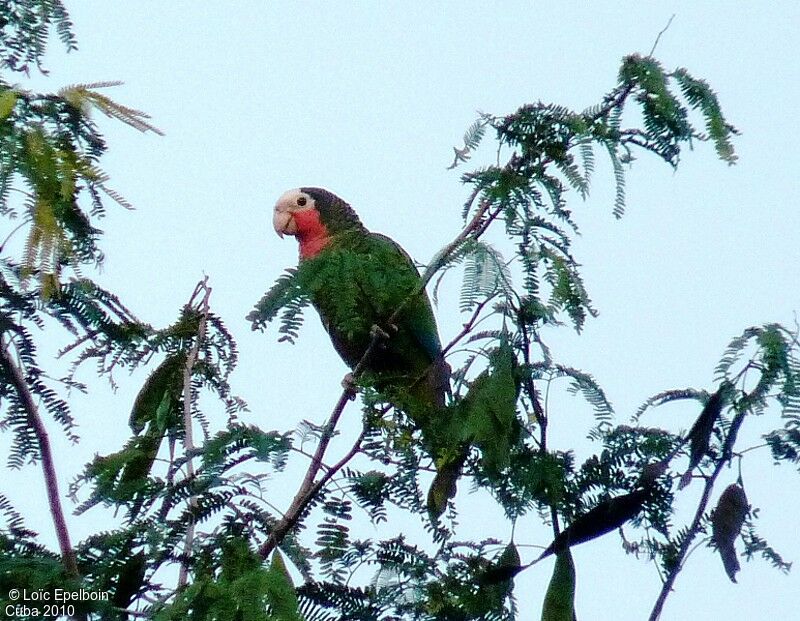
x,y
726,523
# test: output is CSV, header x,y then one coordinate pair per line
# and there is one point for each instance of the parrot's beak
x,y
283,222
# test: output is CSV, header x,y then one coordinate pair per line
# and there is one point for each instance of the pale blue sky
x,y
367,99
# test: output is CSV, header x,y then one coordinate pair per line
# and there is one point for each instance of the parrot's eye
x,y
301,201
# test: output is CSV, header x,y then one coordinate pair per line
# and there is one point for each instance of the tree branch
x,y
469,324
17,377
309,488
475,227
188,441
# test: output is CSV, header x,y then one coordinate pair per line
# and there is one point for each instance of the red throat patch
x,y
311,233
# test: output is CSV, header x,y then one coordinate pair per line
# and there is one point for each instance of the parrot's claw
x,y
377,332
349,384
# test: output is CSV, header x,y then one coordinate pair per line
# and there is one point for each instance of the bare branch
x,y
658,37
188,441
308,488
467,327
17,377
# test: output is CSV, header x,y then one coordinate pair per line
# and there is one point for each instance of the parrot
x,y
356,280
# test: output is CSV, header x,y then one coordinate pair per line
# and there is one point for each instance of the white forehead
x,y
290,196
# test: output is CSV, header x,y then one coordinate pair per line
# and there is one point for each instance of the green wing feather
x,y
421,321
359,281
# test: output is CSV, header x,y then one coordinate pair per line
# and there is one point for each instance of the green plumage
x,y
358,281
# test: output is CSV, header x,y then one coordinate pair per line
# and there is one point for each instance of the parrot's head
x,y
313,216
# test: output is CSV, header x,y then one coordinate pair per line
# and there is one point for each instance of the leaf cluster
x,y
24,29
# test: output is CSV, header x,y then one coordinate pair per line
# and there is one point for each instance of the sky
x,y
368,99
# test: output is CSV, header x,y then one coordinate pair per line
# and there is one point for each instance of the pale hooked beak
x,y
283,222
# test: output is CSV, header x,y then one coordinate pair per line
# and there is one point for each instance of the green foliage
x,y
371,492
51,145
159,399
700,95
485,274
666,118
472,138
754,544
24,29
20,315
281,596
242,589
26,564
785,444
286,295
580,383
489,419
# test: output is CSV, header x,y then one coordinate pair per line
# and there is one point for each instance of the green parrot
x,y
356,280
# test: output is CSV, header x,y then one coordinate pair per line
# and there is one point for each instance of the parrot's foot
x,y
349,384
376,332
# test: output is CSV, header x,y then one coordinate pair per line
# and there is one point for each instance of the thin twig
x,y
90,334
751,448
613,102
17,377
658,38
442,256
11,234
188,441
468,325
540,414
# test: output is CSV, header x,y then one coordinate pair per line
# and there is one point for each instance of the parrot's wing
x,y
419,322
422,322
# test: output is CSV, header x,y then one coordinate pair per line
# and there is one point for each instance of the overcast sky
x,y
367,99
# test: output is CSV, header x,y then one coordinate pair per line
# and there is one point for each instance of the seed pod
x,y
726,523
700,433
605,517
506,567
559,601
